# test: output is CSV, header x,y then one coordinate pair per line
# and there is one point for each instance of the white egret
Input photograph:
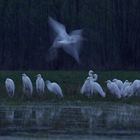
x,y
40,84
127,83
27,85
96,88
93,75
10,87
119,83
127,91
70,43
136,87
113,88
90,86
55,88
90,73
125,88
86,88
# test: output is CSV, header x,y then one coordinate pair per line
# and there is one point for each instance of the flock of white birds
x,y
28,86
116,87
71,44
90,87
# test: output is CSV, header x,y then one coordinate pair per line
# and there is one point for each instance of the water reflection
x,y
9,116
93,119
72,137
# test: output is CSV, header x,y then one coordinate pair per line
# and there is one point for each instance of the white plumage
x,y
10,87
136,87
119,83
91,87
55,88
113,88
90,73
95,77
96,88
27,85
86,88
126,83
127,91
40,84
70,43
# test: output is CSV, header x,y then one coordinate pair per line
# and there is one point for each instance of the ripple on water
x,y
100,118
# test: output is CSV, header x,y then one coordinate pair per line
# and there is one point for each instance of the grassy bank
x,y
70,82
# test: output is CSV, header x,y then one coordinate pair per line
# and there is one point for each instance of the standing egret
x,y
40,84
96,87
127,91
126,88
126,83
136,87
119,83
55,88
114,89
27,85
90,86
10,87
70,43
94,76
86,88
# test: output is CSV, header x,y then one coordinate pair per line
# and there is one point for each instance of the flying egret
x,y
70,43
40,84
27,85
114,89
55,88
10,87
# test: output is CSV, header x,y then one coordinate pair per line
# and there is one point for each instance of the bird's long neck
x,y
39,77
95,77
48,83
90,74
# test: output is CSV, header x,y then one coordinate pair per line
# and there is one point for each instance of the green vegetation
x,y
70,82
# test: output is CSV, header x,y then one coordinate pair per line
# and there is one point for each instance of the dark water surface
x,y
78,121
72,137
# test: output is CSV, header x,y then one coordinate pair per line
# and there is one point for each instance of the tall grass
x,y
70,82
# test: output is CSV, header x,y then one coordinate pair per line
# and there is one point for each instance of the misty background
x,y
111,29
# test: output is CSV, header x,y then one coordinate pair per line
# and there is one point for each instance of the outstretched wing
x,y
77,32
71,50
52,54
57,27
76,36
